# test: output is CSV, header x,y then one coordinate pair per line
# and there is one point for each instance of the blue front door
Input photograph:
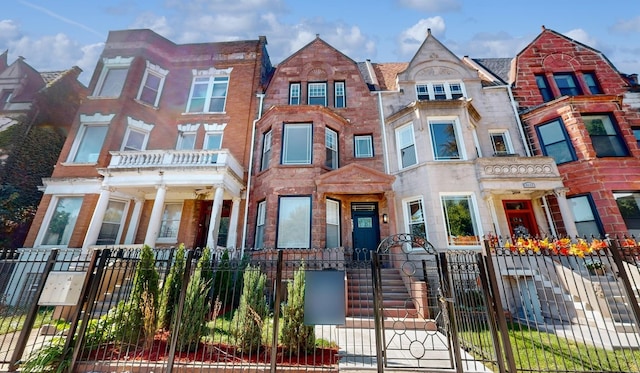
x,y
366,229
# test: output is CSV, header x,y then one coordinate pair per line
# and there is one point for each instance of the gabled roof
x,y
23,79
354,179
498,67
317,40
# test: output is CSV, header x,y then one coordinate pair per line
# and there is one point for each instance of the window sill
x,y
74,164
146,104
205,113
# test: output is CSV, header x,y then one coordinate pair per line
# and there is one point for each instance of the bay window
x,y
294,222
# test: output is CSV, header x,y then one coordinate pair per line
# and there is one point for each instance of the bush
x,y
296,336
249,316
52,358
222,283
171,290
196,305
144,295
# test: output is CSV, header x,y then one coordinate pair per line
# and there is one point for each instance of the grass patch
x,y
540,351
14,323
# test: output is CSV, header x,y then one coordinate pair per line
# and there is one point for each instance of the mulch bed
x,y
212,353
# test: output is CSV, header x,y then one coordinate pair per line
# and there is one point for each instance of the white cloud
x,y
582,36
484,45
630,25
411,38
431,5
9,30
149,20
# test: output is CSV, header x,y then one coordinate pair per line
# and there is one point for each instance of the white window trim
x,y
261,220
211,73
457,132
160,73
309,92
407,214
86,120
475,216
398,145
343,95
53,204
507,140
122,219
110,63
173,239
265,161
447,89
355,142
138,126
335,203
291,96
185,129
335,147
308,224
286,144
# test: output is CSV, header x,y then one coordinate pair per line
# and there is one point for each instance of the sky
x,y
56,35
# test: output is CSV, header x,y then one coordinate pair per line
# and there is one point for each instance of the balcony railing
x,y
510,167
121,160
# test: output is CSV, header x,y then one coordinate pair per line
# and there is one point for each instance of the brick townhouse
x,y
158,152
318,176
577,108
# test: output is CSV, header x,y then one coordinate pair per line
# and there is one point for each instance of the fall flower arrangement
x,y
560,246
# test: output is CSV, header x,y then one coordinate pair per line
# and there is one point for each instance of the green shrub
x,y
296,336
223,280
249,317
196,305
52,358
144,294
171,290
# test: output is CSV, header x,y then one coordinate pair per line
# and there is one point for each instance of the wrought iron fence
x,y
517,306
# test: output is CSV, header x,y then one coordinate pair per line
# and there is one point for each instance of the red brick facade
x,y
319,62
587,174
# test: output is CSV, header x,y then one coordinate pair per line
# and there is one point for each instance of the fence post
x,y
492,294
276,313
448,299
31,314
177,317
378,312
626,282
89,290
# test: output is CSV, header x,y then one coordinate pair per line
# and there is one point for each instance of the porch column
x,y
565,212
93,231
135,220
233,223
214,222
494,216
155,220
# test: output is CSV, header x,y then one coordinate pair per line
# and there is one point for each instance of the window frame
x,y
333,221
339,95
331,139
120,223
311,93
544,147
5,98
139,127
506,141
455,125
267,144
294,93
636,135
51,211
368,139
187,129
86,122
288,144
544,88
401,146
261,219
296,225
212,78
109,65
165,219
409,221
590,80
573,204
617,195
570,90
154,71
440,90
473,215
615,139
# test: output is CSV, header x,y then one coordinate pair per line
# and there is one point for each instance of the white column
x,y
134,222
155,220
214,222
233,223
93,231
565,211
